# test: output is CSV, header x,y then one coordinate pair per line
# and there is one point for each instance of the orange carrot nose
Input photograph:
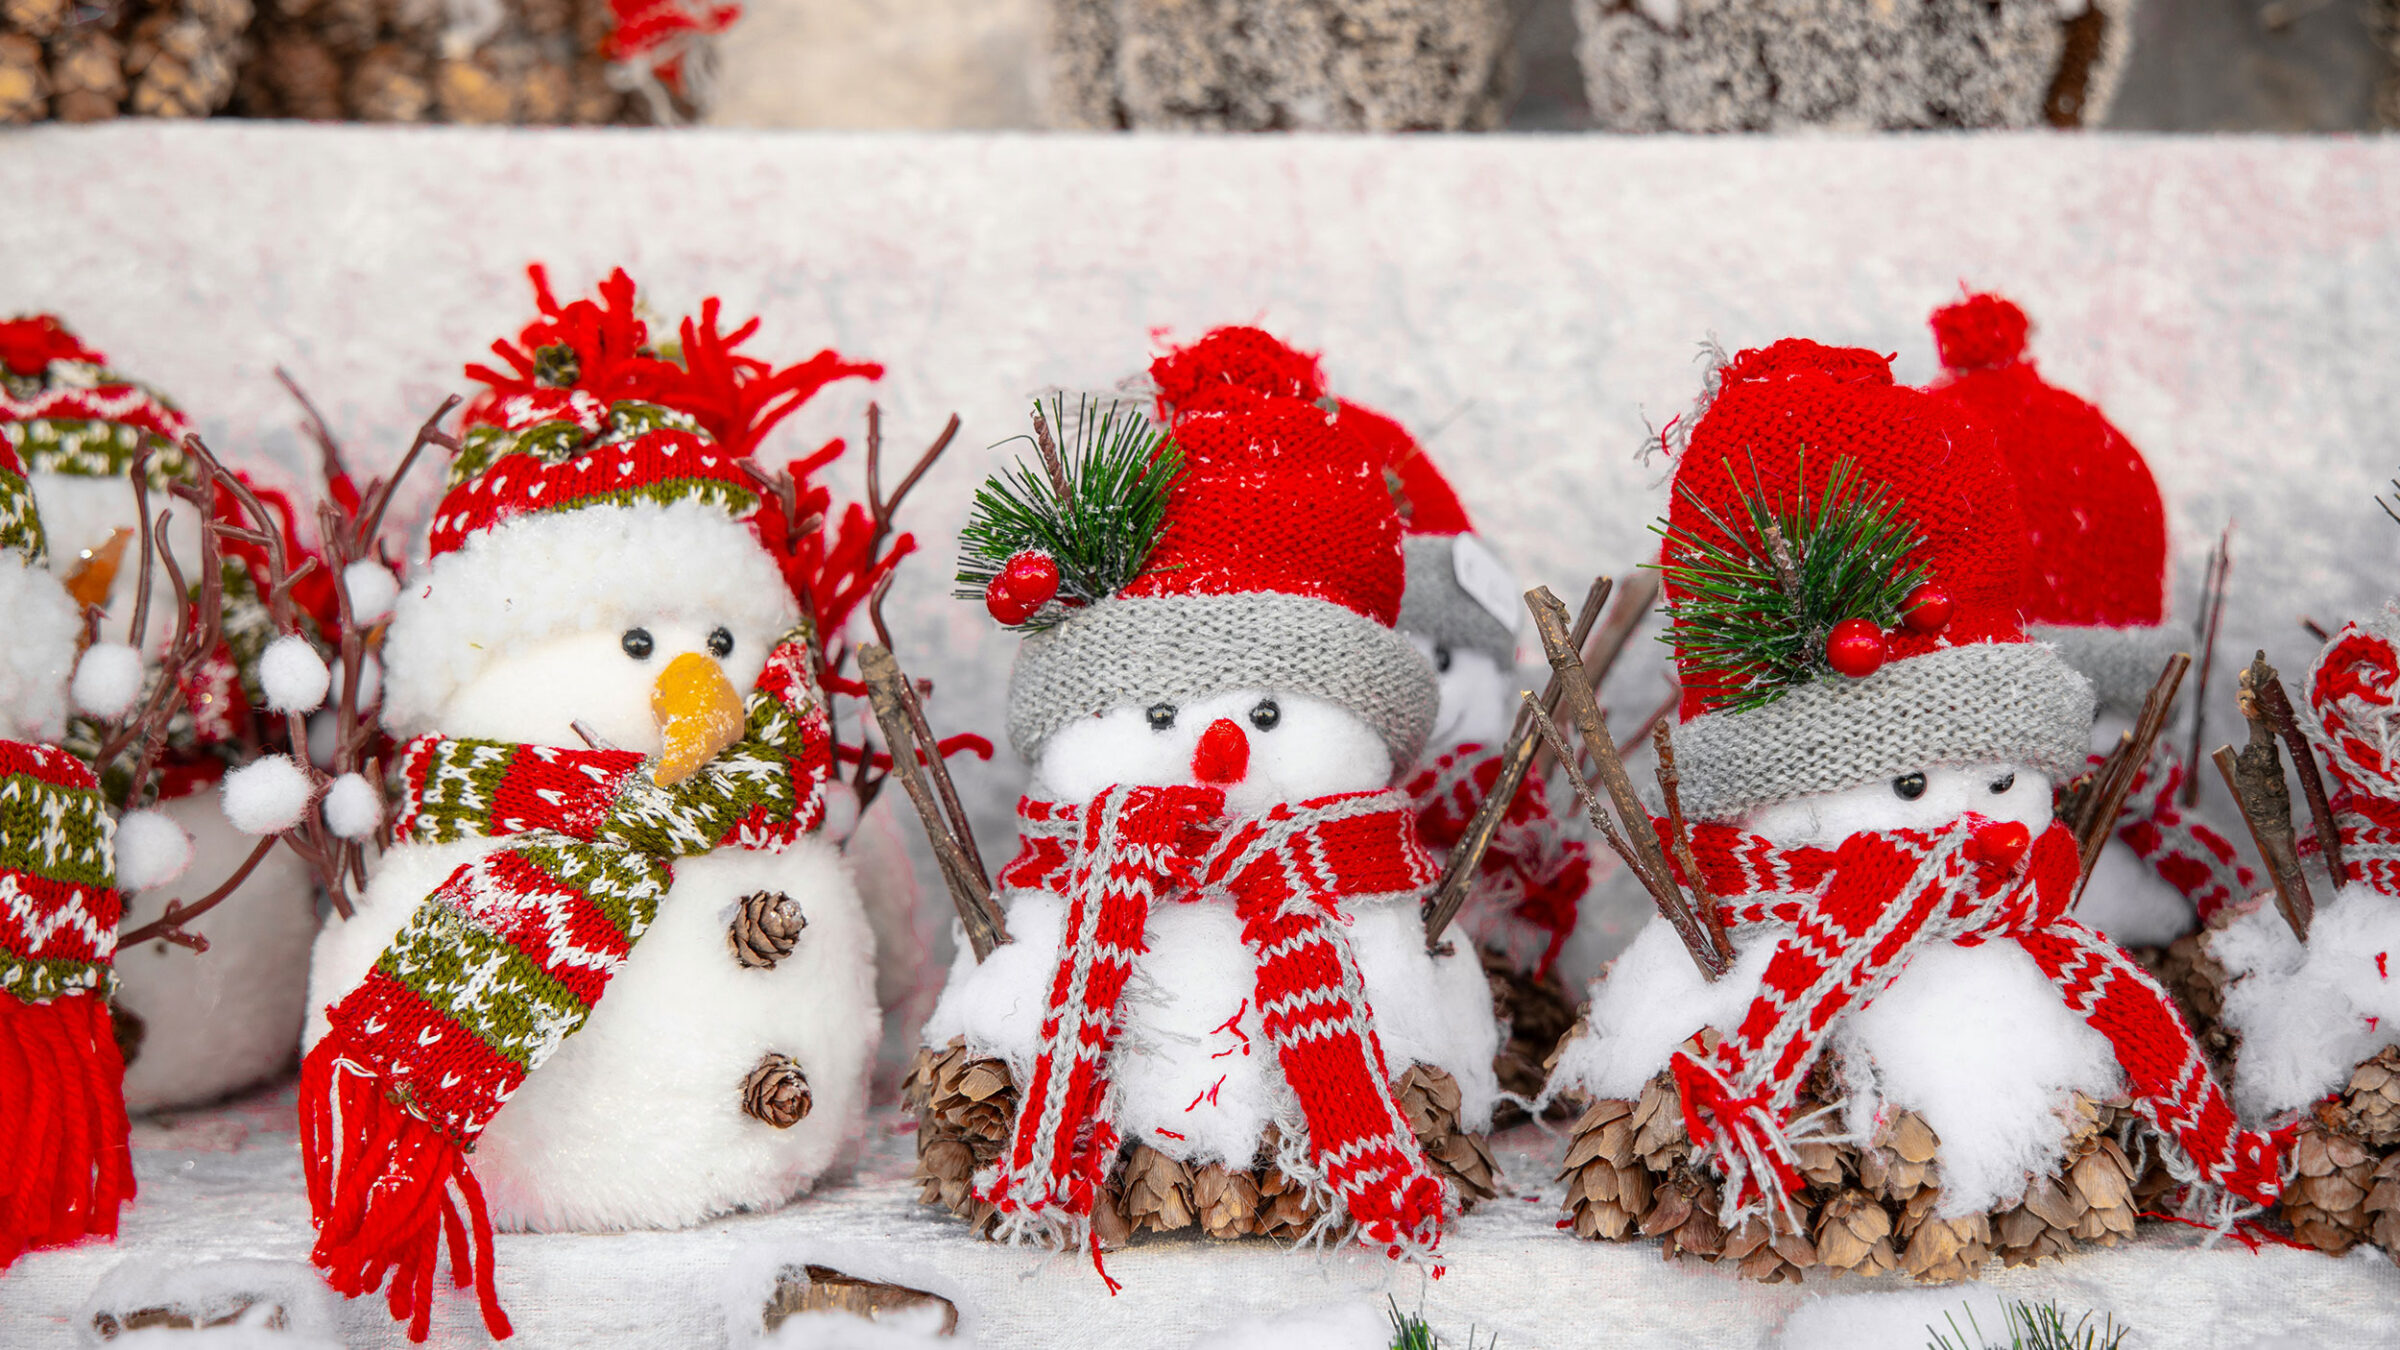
x,y
1224,753
2001,843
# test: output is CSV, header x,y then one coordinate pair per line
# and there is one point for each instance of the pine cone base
x,y
966,1106
1538,1013
1863,1211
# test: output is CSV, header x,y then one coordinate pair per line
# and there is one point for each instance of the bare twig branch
x,y
2262,689
887,690
169,926
1517,759
1670,786
2212,616
2255,778
1052,465
2104,800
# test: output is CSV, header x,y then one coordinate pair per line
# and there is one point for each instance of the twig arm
x,y
978,910
2114,779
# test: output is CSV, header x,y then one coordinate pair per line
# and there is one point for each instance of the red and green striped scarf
x,y
64,1164
505,961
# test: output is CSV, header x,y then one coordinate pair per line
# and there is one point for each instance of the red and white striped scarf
x,y
1287,875
2354,692
1532,876
1851,917
2185,851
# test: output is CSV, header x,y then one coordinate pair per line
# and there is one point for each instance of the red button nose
x,y
2001,843
1223,755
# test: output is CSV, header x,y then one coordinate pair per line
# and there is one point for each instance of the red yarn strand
x,y
65,1168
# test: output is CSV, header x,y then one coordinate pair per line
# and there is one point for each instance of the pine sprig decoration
x,y
1759,600
1094,510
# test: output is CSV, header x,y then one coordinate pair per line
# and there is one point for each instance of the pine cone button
x,y
777,1092
765,929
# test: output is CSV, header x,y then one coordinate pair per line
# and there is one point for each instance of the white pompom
x,y
293,675
353,808
372,589
108,679
266,796
152,850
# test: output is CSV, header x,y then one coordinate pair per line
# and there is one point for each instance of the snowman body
x,y
1970,1035
215,1023
1193,1074
638,1120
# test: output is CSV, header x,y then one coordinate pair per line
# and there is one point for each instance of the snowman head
x,y
1248,644
594,560
1876,676
41,623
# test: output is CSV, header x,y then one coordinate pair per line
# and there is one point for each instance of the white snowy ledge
x,y
225,1184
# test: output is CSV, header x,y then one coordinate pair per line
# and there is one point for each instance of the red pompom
x,y
1028,582
29,345
1980,332
1855,648
1927,609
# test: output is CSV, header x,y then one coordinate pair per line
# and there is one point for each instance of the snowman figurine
x,y
613,787
65,1168
195,1028
1866,752
2097,591
1217,1004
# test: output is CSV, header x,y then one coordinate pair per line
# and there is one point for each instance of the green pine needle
x,y
1410,1331
1760,624
1119,471
2032,1326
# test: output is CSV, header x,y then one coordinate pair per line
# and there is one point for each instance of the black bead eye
x,y
2003,783
720,643
1162,717
1266,714
1909,786
637,643
1441,659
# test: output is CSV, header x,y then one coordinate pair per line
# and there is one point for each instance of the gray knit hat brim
x,y
2121,663
1989,702
1437,608
1173,648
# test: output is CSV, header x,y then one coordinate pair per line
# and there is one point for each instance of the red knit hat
x,y
1278,564
1460,595
598,479
2093,518
1910,566
65,412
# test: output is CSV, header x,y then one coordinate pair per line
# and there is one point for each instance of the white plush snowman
x,y
198,1027
1867,749
2097,532
614,789
1214,866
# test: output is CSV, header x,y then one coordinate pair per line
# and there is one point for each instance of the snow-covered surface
x,y
2308,1016
226,1183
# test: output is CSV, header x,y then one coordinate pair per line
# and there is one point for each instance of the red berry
x,y
1028,582
1927,609
1855,648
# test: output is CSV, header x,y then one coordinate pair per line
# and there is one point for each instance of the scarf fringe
x,y
384,1188
65,1166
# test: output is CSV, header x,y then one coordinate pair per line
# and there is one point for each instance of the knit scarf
x,y
1848,919
2354,697
2184,851
64,1164
506,960
1287,875
1532,874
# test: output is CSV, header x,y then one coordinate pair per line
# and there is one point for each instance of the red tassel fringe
x,y
65,1167
385,1187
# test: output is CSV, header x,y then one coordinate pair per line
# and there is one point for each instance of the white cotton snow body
x,y
637,1121
2308,1016
1193,1074
1972,1038
220,1021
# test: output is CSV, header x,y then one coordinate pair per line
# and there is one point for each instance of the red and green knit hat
x,y
65,412
1844,558
600,478
2097,586
1460,595
1254,545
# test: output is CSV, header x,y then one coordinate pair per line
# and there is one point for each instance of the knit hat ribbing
x,y
1436,605
2093,518
1974,690
1278,566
